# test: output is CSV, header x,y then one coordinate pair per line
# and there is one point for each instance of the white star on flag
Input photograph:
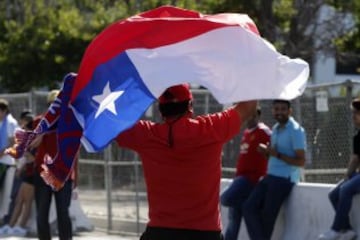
x,y
106,100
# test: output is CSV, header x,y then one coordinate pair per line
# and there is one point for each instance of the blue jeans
x,y
262,207
233,198
341,198
43,195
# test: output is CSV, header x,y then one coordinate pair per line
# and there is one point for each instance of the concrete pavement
x,y
128,219
94,235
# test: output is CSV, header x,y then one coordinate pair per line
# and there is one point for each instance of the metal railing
x,y
116,171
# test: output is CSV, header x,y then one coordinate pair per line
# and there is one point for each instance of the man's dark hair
x,y
173,109
27,116
4,105
24,113
258,110
287,102
356,104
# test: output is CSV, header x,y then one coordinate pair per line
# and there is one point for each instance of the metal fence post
x,y
297,110
206,103
137,201
108,185
349,90
31,104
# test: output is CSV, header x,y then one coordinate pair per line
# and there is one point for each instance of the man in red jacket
x,y
47,151
181,159
251,166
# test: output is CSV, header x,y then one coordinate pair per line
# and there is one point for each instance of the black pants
x,y
43,195
159,233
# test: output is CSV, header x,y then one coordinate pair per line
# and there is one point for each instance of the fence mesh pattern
x,y
115,175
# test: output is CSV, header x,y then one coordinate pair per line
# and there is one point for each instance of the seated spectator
x,y
251,166
8,125
286,153
24,115
341,196
25,195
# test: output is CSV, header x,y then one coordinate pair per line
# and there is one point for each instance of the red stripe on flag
x,y
155,28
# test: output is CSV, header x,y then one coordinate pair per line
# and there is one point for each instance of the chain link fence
x,y
112,180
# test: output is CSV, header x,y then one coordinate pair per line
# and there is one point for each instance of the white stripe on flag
x,y
233,63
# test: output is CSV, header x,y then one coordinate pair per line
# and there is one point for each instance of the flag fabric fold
x,y
130,63
60,117
69,132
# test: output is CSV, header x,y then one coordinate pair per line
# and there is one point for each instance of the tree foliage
x,y
43,39
293,25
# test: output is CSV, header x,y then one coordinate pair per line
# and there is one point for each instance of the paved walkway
x,y
127,219
94,235
127,216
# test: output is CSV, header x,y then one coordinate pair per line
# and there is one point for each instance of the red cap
x,y
174,94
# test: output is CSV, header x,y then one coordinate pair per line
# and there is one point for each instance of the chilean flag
x,y
130,63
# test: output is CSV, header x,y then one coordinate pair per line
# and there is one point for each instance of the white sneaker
x,y
348,235
18,231
5,230
330,235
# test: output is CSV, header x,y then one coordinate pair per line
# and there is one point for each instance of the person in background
x,y
45,151
286,154
181,158
342,195
24,196
8,126
251,166
17,180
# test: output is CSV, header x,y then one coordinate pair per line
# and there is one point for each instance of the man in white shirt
x,y
8,125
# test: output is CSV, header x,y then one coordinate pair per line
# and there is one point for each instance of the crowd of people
x,y
181,159
258,200
28,185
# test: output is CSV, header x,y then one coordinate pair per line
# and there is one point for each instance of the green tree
x,y
291,24
348,54
43,40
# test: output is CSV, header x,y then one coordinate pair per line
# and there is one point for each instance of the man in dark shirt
x,y
341,196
